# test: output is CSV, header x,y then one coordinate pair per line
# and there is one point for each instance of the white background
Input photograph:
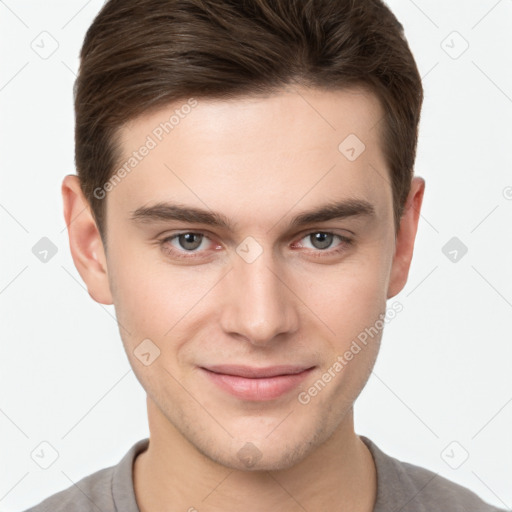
x,y
444,371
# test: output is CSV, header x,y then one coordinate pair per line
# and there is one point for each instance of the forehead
x,y
276,151
305,113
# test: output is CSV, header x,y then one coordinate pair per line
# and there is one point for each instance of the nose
x,y
257,303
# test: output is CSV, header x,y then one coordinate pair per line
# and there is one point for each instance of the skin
x,y
259,162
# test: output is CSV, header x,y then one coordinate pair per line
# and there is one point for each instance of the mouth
x,y
257,384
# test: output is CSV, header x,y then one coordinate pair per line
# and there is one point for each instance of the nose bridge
x,y
258,305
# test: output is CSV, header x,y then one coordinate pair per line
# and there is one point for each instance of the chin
x,y
271,453
253,459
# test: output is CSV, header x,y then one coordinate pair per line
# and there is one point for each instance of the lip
x,y
257,384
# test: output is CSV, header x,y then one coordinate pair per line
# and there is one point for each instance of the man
x,y
245,198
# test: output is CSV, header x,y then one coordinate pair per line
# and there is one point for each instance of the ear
x,y
405,237
85,241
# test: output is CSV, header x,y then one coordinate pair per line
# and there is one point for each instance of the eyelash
x,y
175,253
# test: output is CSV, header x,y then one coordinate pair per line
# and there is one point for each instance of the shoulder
x,y
90,493
107,490
410,488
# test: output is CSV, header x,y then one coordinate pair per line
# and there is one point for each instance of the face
x,y
247,251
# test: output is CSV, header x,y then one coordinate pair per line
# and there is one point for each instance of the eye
x,y
190,244
324,240
189,241
187,245
321,240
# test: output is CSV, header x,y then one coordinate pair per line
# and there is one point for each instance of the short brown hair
x,y
140,55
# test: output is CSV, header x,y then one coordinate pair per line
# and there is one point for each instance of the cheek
x,y
143,296
151,296
348,297
352,304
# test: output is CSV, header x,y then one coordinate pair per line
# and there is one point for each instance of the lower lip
x,y
266,388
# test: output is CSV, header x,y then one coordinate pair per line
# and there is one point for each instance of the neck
x,y
172,473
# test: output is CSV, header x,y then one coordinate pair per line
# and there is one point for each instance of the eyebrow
x,y
331,211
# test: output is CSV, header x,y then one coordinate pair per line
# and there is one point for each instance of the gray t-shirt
x,y
401,487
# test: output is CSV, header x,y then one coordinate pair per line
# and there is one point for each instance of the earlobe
x,y
406,235
85,241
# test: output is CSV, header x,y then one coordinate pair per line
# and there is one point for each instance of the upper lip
x,y
254,372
